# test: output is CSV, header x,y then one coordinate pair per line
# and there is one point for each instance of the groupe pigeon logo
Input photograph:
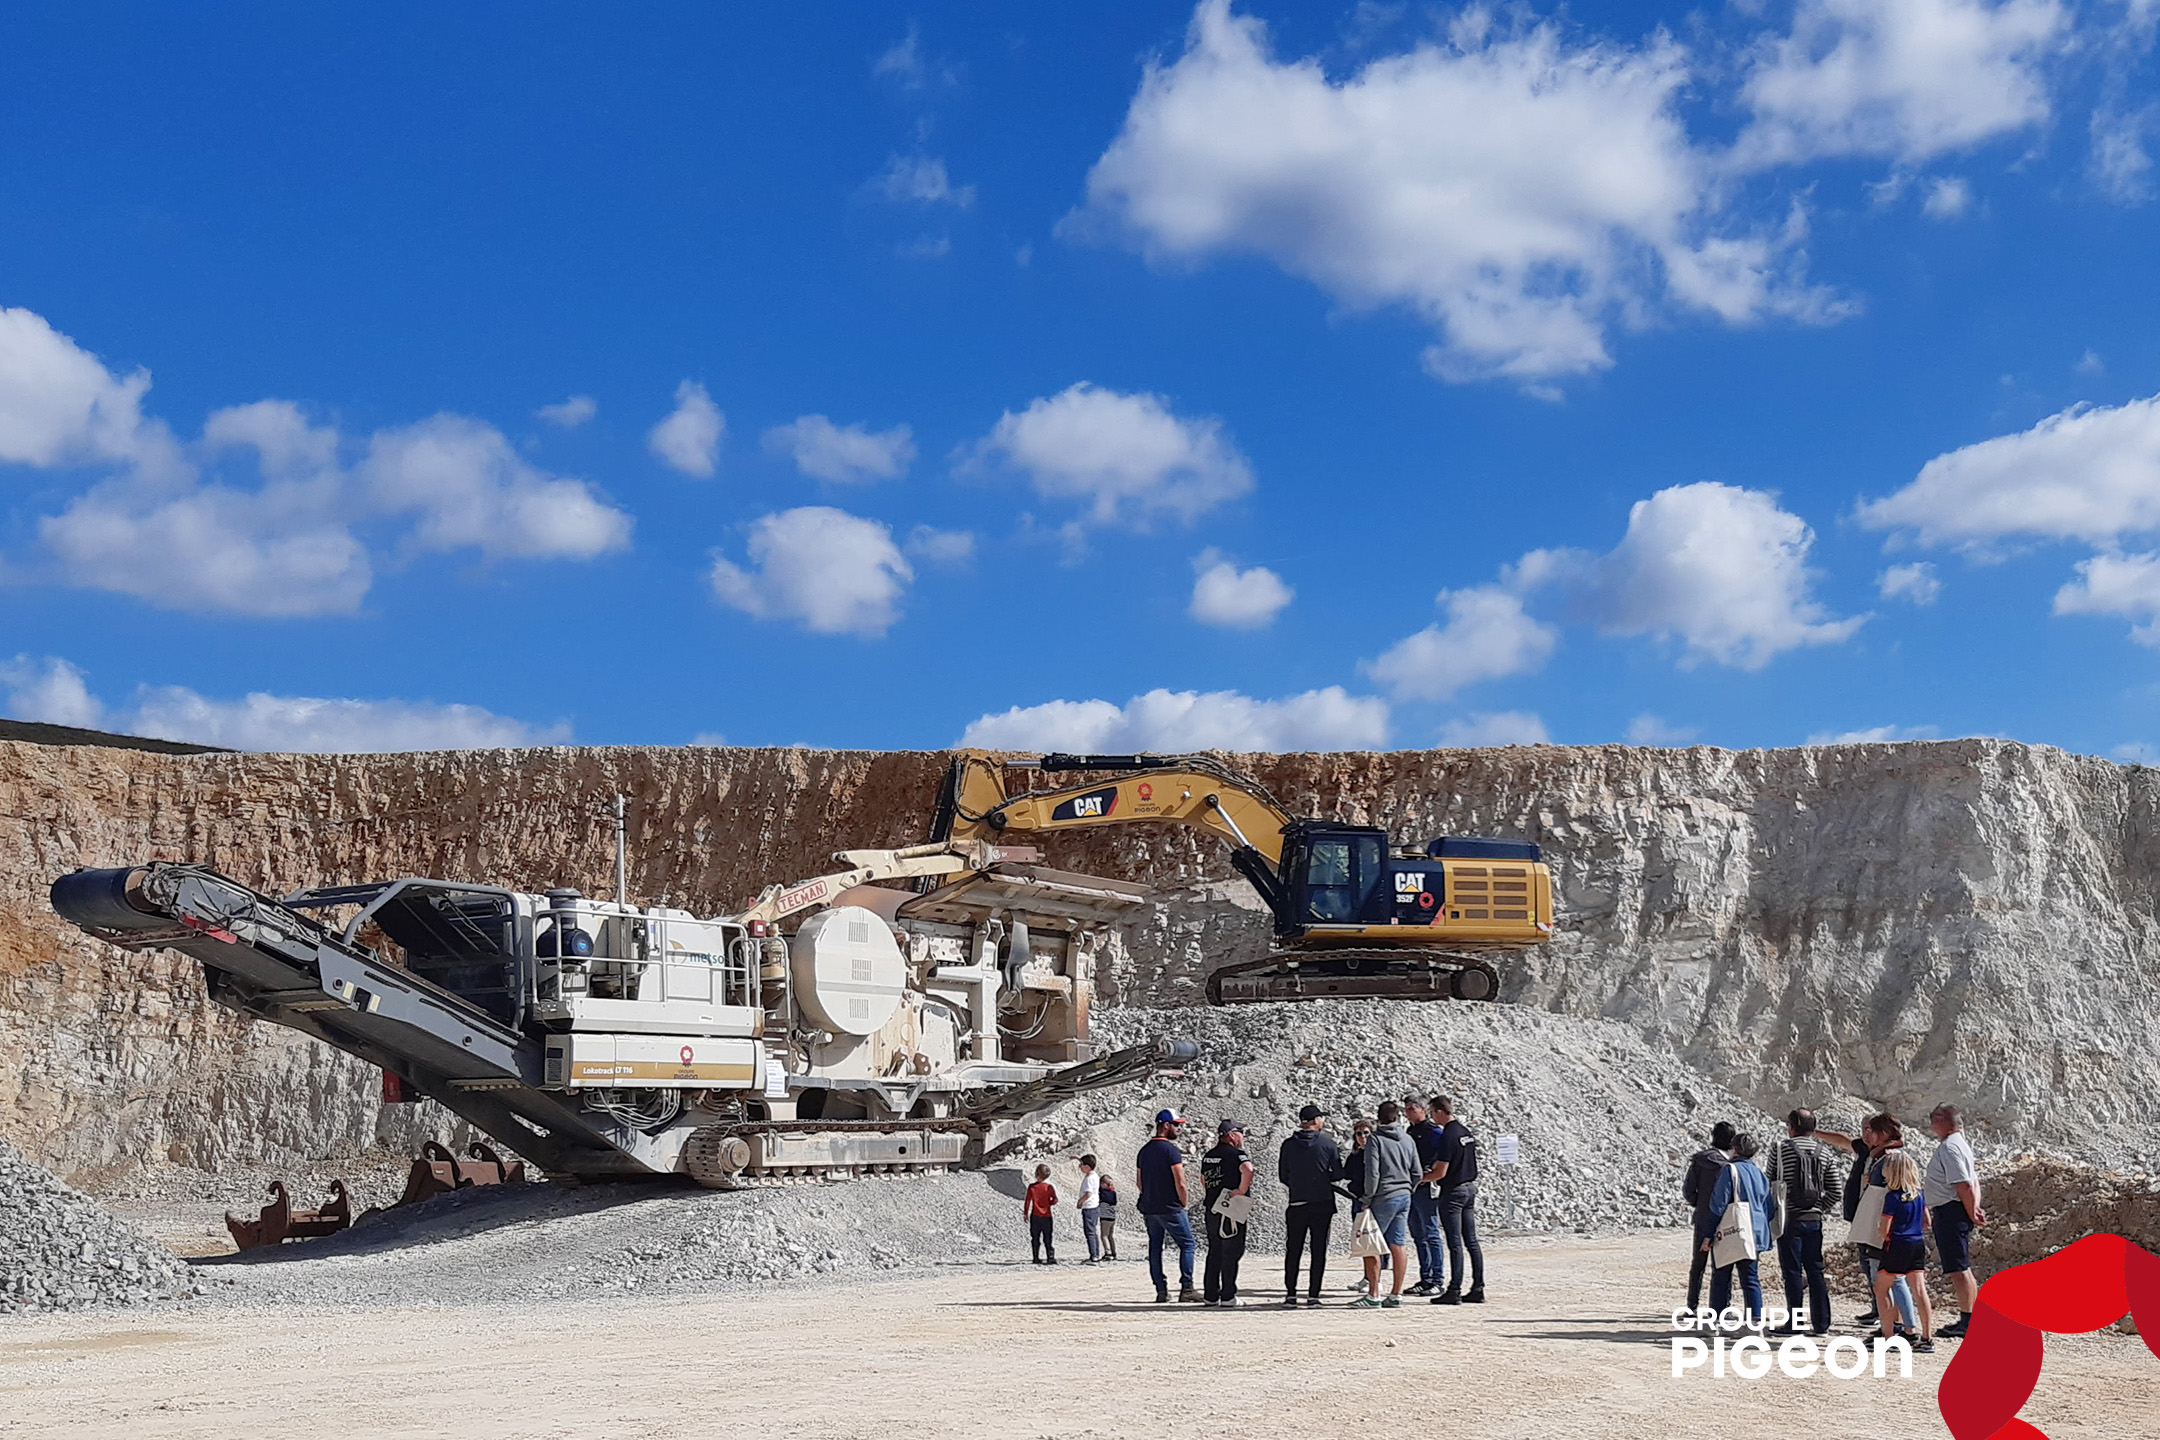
x,y
2081,1287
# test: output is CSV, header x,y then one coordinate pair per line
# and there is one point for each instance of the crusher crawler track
x,y
1351,974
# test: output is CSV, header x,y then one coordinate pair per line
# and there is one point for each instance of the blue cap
x,y
1168,1117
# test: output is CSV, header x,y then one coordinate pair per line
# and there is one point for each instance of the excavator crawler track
x,y
793,1152
1351,974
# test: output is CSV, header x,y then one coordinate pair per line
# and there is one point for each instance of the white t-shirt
x,y
1090,1190
1951,1164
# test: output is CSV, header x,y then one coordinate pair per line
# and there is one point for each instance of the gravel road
x,y
1574,1343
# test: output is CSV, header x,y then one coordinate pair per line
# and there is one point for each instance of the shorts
x,y
1902,1257
1391,1213
1953,1236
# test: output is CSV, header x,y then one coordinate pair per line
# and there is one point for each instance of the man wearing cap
x,y
1309,1167
1226,1168
1161,1168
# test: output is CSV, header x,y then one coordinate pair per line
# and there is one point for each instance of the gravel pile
x,y
509,1246
60,1251
1604,1120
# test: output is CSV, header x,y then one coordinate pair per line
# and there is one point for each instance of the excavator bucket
x,y
438,1172
278,1222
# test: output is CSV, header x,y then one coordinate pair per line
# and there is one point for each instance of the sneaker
x,y
1364,1302
1448,1297
1871,1318
1955,1330
1188,1296
1210,1304
1312,1302
1393,1302
1162,1297
1234,1303
1923,1347
1423,1287
1476,1296
1355,1287
1290,1302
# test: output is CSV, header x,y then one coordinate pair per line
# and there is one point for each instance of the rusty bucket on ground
x,y
438,1172
279,1222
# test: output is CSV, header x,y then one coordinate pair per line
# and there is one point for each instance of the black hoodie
x,y
1308,1167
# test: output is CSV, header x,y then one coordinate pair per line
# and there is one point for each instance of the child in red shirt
x,y
1041,1203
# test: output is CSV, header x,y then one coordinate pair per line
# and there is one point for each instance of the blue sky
x,y
1268,376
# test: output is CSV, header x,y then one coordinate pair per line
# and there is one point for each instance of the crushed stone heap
x,y
60,1251
1604,1120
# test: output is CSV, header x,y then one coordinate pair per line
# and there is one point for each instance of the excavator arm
x,y
1193,790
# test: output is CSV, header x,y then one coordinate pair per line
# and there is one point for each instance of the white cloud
x,y
59,405
2116,584
708,737
2121,167
570,413
2090,363
843,453
2088,473
1903,81
56,692
1916,582
1873,735
1487,636
1504,727
212,550
1126,457
689,438
1647,729
921,180
1947,199
832,572
941,547
1167,720
298,723
906,64
1721,569
1516,191
51,692
468,486
1236,599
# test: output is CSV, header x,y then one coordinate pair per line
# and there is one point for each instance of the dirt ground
x,y
1575,1342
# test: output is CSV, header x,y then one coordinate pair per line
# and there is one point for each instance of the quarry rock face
x,y
1968,920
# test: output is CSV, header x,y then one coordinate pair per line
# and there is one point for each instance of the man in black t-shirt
x,y
1224,1169
1456,1166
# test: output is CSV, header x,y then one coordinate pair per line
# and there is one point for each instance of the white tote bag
x,y
1365,1241
1735,1233
1867,1218
1234,1208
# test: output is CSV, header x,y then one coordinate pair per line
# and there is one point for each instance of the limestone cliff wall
x,y
1972,919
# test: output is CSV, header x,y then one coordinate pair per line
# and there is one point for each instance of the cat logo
x,y
1095,805
1409,882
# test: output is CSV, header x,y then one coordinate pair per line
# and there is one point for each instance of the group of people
x,y
1889,1201
1410,1179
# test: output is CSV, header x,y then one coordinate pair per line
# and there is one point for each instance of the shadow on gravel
x,y
457,1215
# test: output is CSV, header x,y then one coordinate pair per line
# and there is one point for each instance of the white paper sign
x,y
1507,1149
775,1080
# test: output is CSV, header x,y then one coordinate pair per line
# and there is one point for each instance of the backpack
x,y
1804,1188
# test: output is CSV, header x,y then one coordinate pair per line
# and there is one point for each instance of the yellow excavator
x,y
1354,915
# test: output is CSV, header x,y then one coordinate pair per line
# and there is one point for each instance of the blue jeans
x,y
1160,1227
1721,1285
1091,1230
1799,1253
1425,1235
